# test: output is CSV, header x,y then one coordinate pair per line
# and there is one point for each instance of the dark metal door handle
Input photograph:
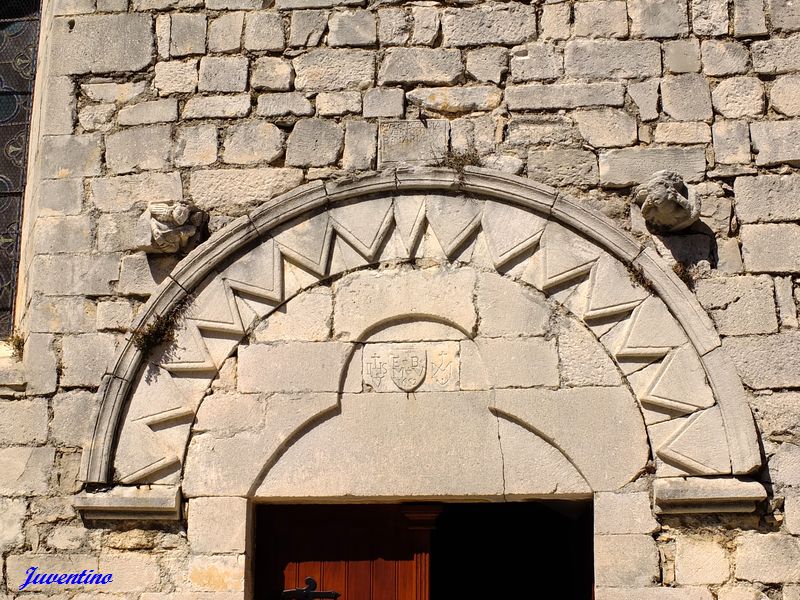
x,y
308,593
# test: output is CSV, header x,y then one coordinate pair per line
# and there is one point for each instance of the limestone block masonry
x,y
418,251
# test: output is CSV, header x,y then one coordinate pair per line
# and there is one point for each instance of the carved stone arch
x,y
658,334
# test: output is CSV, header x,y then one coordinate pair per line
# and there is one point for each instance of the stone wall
x,y
228,103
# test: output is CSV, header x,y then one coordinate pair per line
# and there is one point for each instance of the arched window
x,y
19,33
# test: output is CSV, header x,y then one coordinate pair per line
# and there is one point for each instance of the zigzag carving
x,y
256,283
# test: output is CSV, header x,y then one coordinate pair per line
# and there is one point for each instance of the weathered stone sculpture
x,y
666,202
168,227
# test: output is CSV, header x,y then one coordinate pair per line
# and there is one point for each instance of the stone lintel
x,y
151,503
704,495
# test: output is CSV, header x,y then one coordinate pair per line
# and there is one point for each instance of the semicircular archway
x,y
642,314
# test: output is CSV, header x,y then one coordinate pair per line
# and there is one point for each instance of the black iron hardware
x,y
308,593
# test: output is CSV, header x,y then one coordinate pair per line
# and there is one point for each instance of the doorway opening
x,y
426,551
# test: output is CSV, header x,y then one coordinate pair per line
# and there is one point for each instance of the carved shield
x,y
408,367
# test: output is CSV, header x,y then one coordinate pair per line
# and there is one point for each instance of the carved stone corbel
x,y
667,204
169,227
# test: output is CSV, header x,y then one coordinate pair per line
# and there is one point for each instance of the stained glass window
x,y
19,32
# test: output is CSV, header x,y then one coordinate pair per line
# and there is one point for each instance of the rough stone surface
x,y
605,18
768,558
456,100
220,107
725,58
146,113
236,190
774,142
92,43
314,143
682,133
623,513
307,27
356,28
765,362
496,24
139,148
731,142
780,55
709,17
223,74
279,105
563,167
748,18
603,59
658,18
682,56
739,97
251,142
537,96
700,562
536,61
430,66
784,15
205,517
273,74
66,156
336,69
487,64
23,421
360,145
783,95
739,305
225,32
687,97
767,198
176,77
187,34
264,31
625,561
607,128
330,104
626,167
384,103
196,145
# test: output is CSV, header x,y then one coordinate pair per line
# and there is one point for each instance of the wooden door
x,y
362,552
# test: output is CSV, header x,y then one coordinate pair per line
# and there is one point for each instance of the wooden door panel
x,y
362,552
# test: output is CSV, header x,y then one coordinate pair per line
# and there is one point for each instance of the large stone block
x,y
12,515
538,96
775,142
767,198
61,314
217,107
512,23
273,74
225,32
360,145
563,167
101,43
205,534
307,27
25,472
306,317
176,77
74,274
456,99
783,95
623,513
700,562
357,28
366,299
263,30
196,145
778,55
147,113
748,18
710,17
69,426
509,363
61,196
731,142
86,358
739,97
625,561
285,104
334,69
629,166
139,148
314,143
23,421
487,64
287,367
739,305
54,235
223,74
607,127
250,142
658,18
187,34
384,102
763,362
430,66
132,571
236,191
582,360
687,97
725,58
117,194
334,104
768,558
534,62
509,309
771,248
65,156
607,59
604,18
784,15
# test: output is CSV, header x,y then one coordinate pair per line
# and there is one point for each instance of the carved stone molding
x,y
158,503
659,336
